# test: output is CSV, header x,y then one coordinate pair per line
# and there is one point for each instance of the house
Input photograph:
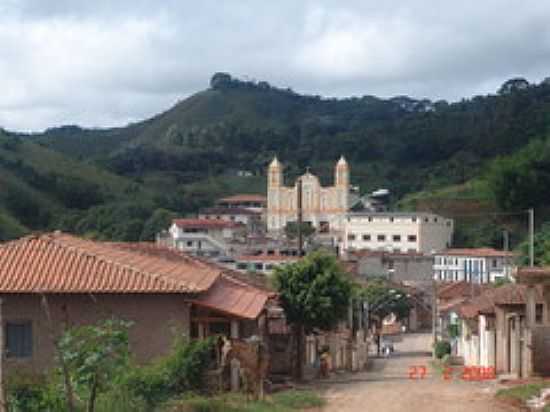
x,y
397,232
481,265
204,237
252,219
253,202
494,332
53,281
536,330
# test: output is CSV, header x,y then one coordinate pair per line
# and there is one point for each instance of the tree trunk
x,y
66,377
93,394
299,365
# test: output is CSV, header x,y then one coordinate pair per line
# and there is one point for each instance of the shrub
x,y
179,372
442,348
33,393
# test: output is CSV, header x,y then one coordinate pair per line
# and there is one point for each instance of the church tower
x,y
341,173
275,174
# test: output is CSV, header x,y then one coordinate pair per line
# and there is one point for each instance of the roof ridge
x,y
56,239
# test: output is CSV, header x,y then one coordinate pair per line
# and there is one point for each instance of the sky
x,y
108,63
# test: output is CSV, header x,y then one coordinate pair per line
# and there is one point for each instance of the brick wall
x,y
157,320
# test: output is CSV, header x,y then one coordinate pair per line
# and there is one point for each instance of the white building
x,y
482,265
397,232
205,237
252,219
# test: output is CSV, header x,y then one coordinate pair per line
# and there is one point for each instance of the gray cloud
x,y
106,63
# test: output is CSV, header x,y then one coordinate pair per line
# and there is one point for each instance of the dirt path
x,y
386,387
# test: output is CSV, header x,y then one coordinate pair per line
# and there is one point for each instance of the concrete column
x,y
546,308
234,329
515,348
235,367
531,307
202,331
491,349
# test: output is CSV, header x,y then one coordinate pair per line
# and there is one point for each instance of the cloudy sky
x,y
106,63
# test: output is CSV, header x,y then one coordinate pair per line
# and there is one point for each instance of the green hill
x,y
183,158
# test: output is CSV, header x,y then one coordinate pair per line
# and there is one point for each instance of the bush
x,y
33,393
179,372
442,348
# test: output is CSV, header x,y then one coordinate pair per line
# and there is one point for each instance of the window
x,y
435,219
269,266
391,219
189,243
370,219
366,238
381,238
494,263
19,339
242,266
351,236
270,252
413,218
397,238
411,238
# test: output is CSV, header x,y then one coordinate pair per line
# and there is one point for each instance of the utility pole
x,y
531,237
434,315
506,241
300,219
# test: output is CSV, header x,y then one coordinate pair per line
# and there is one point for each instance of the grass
x,y
523,392
288,401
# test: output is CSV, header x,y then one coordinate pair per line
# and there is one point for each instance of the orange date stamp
x,y
466,373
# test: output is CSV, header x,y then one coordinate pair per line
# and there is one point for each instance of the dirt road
x,y
386,387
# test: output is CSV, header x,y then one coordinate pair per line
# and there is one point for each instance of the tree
x,y
315,294
159,220
94,356
541,247
513,85
291,230
384,300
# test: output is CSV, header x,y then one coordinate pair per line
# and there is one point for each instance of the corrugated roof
x,y
61,263
511,294
233,297
205,224
478,252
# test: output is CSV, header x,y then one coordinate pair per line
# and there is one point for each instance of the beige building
x,y
325,208
397,232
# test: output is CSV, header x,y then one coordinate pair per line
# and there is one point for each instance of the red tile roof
x,y
231,296
243,198
511,294
450,291
228,211
205,224
533,274
479,252
61,263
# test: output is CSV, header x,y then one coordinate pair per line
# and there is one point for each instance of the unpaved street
x,y
386,387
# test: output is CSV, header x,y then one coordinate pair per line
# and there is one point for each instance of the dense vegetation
x,y
111,183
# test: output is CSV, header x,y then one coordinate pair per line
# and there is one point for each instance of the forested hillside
x,y
182,159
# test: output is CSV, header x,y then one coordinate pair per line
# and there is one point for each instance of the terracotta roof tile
x,y
512,294
455,290
61,263
231,296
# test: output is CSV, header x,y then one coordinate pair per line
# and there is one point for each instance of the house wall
x,y
157,320
405,268
480,269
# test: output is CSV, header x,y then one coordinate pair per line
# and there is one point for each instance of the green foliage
x,y
314,292
384,300
522,392
95,356
159,220
33,393
291,230
179,372
442,348
541,247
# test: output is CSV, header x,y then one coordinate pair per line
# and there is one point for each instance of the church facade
x,y
325,208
